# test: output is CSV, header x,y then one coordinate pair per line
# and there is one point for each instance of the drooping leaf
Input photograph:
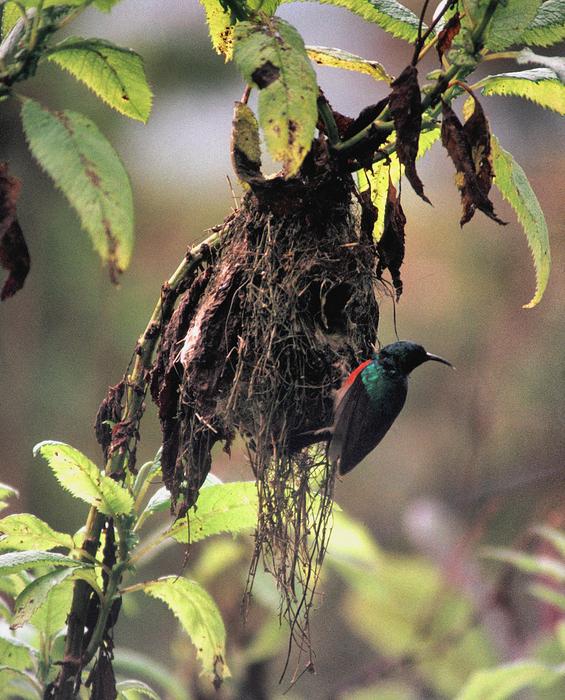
x,y
390,247
86,168
447,34
390,15
224,508
82,478
469,148
131,690
12,562
14,254
405,106
548,26
15,653
377,178
245,145
364,151
529,563
337,58
113,73
7,492
36,593
540,85
26,531
271,56
505,681
103,679
513,185
200,619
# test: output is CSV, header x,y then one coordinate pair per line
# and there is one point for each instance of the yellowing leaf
x,y
220,27
26,531
337,58
81,477
514,186
200,619
272,58
115,74
505,681
540,85
83,164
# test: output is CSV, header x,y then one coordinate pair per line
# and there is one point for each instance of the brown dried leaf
x,y
14,253
447,34
390,247
406,108
467,150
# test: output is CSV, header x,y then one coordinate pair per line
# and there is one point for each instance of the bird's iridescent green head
x,y
405,356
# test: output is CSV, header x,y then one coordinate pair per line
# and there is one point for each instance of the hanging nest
x,y
258,345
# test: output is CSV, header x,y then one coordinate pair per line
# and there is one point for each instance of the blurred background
x,y
477,455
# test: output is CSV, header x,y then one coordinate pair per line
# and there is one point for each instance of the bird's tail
x,y
310,437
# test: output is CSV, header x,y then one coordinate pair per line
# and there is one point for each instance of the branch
x,y
136,380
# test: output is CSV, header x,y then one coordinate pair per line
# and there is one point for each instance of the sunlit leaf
x,y
200,619
548,26
503,682
513,185
12,562
15,653
86,168
230,508
540,85
220,27
337,58
548,595
390,15
7,492
272,57
555,537
113,73
26,531
82,478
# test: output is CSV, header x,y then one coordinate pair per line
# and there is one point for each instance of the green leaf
x,y
7,492
377,178
540,85
105,5
86,168
15,654
548,26
508,23
128,661
18,684
13,562
513,185
351,544
36,593
390,15
271,56
221,508
25,531
82,478
200,619
503,682
51,617
530,564
115,74
131,690
337,58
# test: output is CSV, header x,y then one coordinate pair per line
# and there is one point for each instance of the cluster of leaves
x,y
39,580
387,138
66,144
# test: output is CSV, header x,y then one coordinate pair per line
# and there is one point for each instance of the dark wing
x,y
360,424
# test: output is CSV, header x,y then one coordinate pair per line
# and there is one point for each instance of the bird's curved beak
x,y
437,358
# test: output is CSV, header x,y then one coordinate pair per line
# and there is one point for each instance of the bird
x,y
368,402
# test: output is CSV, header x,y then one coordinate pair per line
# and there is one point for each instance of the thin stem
x,y
136,379
326,115
500,55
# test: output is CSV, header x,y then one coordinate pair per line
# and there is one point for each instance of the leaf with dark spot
x,y
265,75
390,247
447,34
406,108
470,154
14,254
245,144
